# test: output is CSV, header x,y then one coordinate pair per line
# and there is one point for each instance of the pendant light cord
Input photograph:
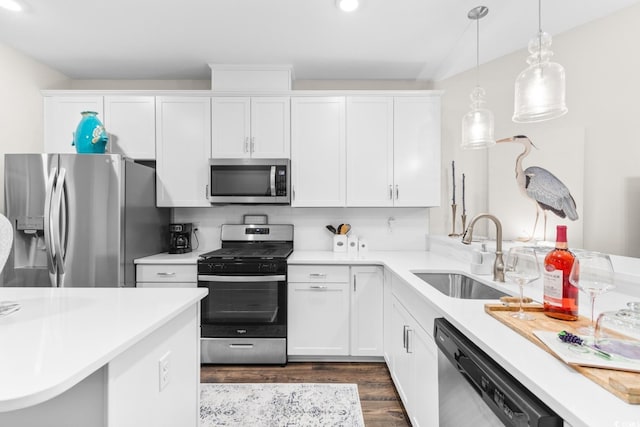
x,y
477,52
540,30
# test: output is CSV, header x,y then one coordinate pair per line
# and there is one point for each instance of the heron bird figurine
x,y
543,187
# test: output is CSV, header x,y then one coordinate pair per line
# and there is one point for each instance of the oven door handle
x,y
276,278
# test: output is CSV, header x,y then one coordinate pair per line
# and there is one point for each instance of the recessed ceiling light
x,y
11,5
348,5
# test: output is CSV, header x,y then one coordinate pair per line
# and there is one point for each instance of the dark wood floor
x,y
381,405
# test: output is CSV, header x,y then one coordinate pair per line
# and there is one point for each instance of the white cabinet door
x,y
183,128
270,127
413,355
318,151
130,122
424,390
230,127
401,366
369,151
417,151
318,319
61,118
366,310
244,127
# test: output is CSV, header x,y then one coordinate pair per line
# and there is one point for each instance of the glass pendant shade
x,y
540,88
477,124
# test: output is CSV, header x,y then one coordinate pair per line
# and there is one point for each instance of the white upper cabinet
x,y
61,117
183,150
369,151
130,122
318,151
393,151
416,151
244,127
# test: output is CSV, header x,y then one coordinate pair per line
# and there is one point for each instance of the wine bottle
x,y
560,296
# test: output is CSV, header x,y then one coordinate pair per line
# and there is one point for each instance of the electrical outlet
x,y
196,226
163,370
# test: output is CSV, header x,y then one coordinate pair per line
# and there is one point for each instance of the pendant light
x,y
540,88
477,124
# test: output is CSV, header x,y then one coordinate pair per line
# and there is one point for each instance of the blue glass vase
x,y
90,136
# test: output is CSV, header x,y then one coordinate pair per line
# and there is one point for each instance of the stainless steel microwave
x,y
249,181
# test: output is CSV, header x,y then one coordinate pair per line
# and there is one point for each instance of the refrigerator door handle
x,y
48,232
58,230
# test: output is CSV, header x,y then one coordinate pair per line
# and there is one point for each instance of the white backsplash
x,y
383,228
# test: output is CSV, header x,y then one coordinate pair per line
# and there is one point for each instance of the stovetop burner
x,y
249,252
252,241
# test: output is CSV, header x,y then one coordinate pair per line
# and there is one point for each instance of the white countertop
x,y
577,399
167,258
61,335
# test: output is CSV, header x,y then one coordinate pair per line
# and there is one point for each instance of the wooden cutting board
x,y
625,385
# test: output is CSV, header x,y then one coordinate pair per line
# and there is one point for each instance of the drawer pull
x,y
318,275
169,273
241,346
317,287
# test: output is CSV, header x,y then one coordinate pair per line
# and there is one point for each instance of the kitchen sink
x,y
457,285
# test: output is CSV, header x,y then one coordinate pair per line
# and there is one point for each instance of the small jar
x,y
618,332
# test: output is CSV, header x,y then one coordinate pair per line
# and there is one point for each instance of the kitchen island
x,y
578,400
100,357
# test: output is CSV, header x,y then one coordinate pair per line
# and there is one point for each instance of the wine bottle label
x,y
553,287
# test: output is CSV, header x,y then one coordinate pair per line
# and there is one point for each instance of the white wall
x,y
21,117
602,66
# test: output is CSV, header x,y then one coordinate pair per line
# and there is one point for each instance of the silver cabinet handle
x,y
246,144
253,144
318,287
397,192
354,283
405,338
410,340
390,192
168,273
318,275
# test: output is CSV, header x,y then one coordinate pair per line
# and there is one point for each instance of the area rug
x,y
280,405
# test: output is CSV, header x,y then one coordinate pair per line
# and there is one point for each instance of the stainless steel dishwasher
x,y
475,390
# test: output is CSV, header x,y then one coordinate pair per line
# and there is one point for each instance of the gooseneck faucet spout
x,y
498,265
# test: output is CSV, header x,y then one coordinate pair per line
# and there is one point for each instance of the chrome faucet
x,y
498,264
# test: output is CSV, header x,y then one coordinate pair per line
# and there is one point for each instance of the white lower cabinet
x,y
366,310
318,311
335,310
413,363
166,276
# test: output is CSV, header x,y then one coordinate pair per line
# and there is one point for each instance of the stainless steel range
x,y
244,317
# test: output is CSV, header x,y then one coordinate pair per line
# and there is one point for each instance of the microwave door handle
x,y
273,181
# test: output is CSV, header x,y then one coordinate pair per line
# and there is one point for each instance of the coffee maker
x,y
180,238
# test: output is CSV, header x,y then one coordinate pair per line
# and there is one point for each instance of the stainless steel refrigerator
x,y
80,219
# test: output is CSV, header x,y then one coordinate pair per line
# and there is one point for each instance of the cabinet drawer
x,y
318,273
166,273
166,285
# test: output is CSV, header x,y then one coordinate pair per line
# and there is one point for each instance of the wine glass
x,y
592,273
522,268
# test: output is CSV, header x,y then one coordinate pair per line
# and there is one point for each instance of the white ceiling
x,y
384,39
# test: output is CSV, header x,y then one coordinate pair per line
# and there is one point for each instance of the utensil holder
x,y
340,243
